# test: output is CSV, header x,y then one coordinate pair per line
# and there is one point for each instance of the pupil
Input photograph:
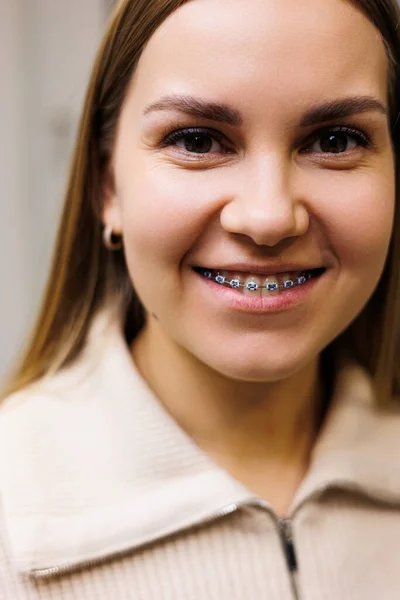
x,y
197,142
334,143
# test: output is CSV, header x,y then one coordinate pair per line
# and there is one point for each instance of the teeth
x,y
272,283
222,277
235,281
288,280
252,286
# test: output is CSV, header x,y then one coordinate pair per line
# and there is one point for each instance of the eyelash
x,y
359,136
180,134
362,139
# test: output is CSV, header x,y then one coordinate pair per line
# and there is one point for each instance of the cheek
x,y
164,212
357,212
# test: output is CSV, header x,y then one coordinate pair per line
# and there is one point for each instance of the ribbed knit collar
x,y
91,465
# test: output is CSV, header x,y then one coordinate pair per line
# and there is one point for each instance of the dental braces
x,y
253,286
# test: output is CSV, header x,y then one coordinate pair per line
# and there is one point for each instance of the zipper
x,y
286,532
284,528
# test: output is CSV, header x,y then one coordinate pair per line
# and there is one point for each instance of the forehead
x,y
273,51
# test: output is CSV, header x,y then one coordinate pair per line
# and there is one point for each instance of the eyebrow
x,y
224,113
338,109
197,107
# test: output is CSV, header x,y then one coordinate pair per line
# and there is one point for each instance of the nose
x,y
265,206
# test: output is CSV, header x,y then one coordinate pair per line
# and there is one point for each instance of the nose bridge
x,y
266,188
264,205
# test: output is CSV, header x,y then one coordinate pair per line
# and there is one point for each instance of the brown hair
x,y
84,272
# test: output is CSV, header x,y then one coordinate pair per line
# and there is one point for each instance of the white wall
x,y
46,49
14,244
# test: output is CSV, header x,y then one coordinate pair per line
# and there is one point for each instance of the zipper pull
x,y
285,527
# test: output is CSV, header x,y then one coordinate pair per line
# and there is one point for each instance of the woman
x,y
207,408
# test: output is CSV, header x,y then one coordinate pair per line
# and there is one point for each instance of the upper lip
x,y
271,269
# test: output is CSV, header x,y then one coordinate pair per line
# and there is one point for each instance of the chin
x,y
260,368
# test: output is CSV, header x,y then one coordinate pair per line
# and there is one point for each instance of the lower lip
x,y
261,304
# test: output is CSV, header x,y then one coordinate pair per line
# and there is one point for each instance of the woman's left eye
x,y
336,141
195,141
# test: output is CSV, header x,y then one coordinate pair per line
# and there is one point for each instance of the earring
x,y
111,240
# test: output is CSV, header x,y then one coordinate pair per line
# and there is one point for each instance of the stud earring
x,y
111,240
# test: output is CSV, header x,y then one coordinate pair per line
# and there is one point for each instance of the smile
x,y
257,285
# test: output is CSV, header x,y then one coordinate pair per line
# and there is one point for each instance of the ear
x,y
111,210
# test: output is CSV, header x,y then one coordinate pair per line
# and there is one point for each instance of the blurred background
x,y
46,50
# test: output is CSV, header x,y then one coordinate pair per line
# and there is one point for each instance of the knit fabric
x,y
103,497
346,549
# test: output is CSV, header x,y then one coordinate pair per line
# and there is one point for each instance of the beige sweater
x,y
103,497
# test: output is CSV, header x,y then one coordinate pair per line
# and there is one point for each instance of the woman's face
x,y
254,142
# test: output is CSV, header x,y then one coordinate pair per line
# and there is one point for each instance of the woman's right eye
x,y
195,141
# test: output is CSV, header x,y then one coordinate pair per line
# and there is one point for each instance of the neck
x,y
239,420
